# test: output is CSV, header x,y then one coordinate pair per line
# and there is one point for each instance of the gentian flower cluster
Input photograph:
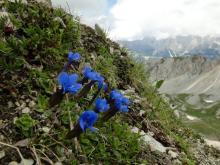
x,y
101,105
69,83
120,102
94,76
73,57
87,120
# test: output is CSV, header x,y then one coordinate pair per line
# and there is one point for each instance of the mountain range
x,y
175,46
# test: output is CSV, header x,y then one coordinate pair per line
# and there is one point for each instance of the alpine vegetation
x,y
70,83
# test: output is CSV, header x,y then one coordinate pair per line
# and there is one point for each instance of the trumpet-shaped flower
x,y
87,120
115,95
101,105
92,75
120,106
73,56
120,102
69,82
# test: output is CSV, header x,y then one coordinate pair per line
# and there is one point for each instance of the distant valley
x,y
192,87
190,68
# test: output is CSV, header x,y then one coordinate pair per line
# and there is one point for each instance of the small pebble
x,y
26,110
17,103
173,154
31,104
23,96
58,163
10,104
13,163
27,100
46,129
23,105
2,154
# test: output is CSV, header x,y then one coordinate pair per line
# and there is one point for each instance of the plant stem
x,y
85,90
76,132
56,98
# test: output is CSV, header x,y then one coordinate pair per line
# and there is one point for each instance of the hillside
x,y
39,123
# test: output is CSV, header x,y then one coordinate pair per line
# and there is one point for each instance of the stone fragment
x,y
31,104
2,154
173,155
10,104
26,110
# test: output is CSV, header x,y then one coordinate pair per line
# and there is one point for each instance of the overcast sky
x,y
135,19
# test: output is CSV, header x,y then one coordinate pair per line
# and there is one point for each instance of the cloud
x,y
134,19
88,10
163,18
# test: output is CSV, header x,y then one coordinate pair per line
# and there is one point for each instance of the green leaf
x,y
159,84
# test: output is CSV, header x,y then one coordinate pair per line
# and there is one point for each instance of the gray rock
x,y
177,113
177,162
46,129
154,144
111,49
31,104
23,105
10,104
17,104
13,163
27,162
173,155
218,114
2,154
142,112
27,100
117,51
26,110
134,130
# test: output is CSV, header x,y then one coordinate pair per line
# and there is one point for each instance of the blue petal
x,y
72,79
88,119
87,69
63,78
115,95
73,56
123,108
81,123
75,88
91,75
125,101
101,105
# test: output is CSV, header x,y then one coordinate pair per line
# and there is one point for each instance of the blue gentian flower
x,y
125,100
120,102
100,81
101,105
73,56
92,75
115,95
69,82
120,106
87,120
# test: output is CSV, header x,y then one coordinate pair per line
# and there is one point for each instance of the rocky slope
x,y
192,87
33,50
193,75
